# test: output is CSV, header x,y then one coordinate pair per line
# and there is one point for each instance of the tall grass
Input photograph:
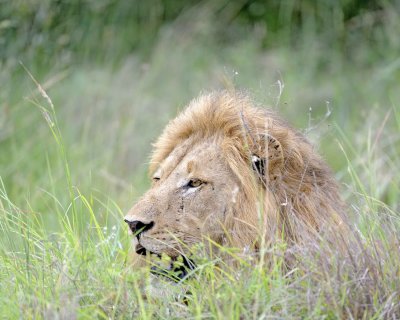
x,y
73,156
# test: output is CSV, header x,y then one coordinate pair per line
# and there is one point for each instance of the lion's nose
x,y
137,227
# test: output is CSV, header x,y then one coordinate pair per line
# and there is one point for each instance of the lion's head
x,y
236,174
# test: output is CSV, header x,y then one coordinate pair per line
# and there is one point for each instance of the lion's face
x,y
192,192
227,171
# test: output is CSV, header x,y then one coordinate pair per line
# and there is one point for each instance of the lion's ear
x,y
267,158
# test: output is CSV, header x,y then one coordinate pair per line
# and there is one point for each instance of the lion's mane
x,y
299,203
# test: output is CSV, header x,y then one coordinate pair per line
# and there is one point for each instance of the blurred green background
x,y
117,71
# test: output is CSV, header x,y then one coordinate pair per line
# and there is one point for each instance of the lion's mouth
x,y
142,250
177,269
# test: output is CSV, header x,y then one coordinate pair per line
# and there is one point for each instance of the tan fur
x,y
215,140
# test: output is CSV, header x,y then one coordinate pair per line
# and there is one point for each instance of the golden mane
x,y
297,206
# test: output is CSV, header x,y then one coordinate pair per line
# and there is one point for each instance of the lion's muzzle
x,y
138,227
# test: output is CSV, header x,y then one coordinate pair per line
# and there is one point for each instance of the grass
x,y
73,160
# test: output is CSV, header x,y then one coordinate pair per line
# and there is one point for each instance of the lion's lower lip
x,y
143,251
140,250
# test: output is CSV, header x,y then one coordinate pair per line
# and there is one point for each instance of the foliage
x,y
110,29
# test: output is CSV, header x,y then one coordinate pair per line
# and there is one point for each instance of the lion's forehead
x,y
202,156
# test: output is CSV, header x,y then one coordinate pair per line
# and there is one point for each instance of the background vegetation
x,y
73,157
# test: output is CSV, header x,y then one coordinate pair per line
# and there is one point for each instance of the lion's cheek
x,y
209,212
212,222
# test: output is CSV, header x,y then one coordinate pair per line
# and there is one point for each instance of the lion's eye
x,y
194,183
156,179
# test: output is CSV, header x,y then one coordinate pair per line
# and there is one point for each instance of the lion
x,y
229,172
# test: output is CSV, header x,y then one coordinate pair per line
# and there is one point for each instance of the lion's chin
x,y
176,270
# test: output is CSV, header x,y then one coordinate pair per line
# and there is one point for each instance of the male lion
x,y
228,172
